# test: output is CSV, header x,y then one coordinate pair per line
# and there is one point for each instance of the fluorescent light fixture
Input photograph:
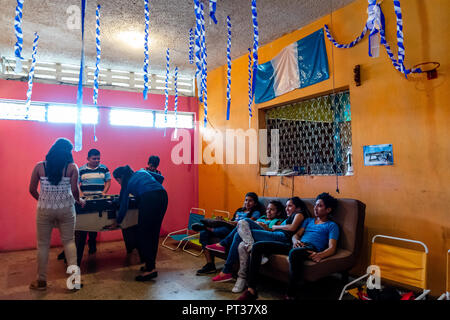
x,y
132,118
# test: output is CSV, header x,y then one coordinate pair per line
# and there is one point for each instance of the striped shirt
x,y
93,180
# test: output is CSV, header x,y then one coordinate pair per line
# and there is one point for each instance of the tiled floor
x,y
109,274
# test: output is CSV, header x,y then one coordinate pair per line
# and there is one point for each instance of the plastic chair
x,y
397,264
221,213
195,215
446,295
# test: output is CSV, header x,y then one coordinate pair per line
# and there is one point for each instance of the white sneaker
x,y
239,286
264,260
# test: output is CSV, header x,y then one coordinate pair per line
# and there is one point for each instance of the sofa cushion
x,y
278,266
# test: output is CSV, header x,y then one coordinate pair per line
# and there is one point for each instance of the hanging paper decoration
x,y
98,48
228,67
255,44
198,58
191,46
176,100
19,35
212,10
31,74
204,74
376,25
147,22
166,89
78,127
250,96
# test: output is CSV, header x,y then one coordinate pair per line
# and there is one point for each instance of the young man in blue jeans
x,y
316,239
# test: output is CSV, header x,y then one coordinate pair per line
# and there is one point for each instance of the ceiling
x,y
170,21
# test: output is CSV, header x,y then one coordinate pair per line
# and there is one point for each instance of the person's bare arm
x,y
107,186
298,220
73,174
34,182
296,243
318,256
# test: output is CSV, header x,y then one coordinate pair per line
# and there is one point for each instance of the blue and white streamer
x,y
255,44
31,73
198,50
212,10
98,49
19,35
147,22
204,74
191,46
375,23
228,67
166,88
250,95
176,100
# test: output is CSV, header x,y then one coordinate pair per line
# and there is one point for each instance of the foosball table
x,y
101,211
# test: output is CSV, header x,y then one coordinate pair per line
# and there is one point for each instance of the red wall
x,y
24,143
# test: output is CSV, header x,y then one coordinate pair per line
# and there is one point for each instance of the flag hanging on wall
x,y
299,65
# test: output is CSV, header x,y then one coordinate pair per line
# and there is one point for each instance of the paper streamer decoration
x,y
147,22
98,49
255,44
31,74
375,23
176,100
19,35
228,67
204,91
197,51
78,128
166,88
250,96
191,46
212,10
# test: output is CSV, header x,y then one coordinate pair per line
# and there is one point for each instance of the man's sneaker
x,y
207,269
239,286
40,285
223,277
61,256
215,247
198,227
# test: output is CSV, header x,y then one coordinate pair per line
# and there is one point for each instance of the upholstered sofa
x,y
349,215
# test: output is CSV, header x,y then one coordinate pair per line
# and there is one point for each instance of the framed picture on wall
x,y
378,155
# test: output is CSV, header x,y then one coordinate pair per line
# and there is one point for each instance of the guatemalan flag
x,y
299,65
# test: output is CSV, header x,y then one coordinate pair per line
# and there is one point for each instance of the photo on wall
x,y
378,155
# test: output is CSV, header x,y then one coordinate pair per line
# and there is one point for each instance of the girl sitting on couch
x,y
281,233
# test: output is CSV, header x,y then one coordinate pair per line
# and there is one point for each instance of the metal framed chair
x,y
446,295
186,234
400,265
196,241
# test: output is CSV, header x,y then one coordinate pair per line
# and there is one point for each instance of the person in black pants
x,y
153,200
316,239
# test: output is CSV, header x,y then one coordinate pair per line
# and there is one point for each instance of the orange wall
x,y
409,199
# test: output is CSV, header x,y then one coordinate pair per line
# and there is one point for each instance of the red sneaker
x,y
222,277
216,247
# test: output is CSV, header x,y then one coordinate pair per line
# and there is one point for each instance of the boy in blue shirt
x,y
316,240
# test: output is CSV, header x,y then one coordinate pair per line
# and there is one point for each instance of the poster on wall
x,y
378,155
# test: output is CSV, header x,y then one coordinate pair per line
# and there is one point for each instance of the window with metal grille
x,y
315,135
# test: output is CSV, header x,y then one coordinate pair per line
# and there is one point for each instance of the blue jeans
x,y
259,234
206,235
